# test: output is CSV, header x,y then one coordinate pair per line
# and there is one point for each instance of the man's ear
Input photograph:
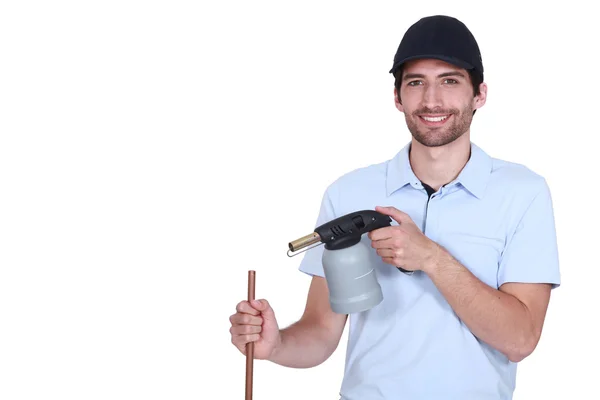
x,y
397,101
481,98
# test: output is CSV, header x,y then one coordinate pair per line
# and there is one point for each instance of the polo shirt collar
x,y
473,177
399,171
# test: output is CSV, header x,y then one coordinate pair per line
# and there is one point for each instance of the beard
x,y
459,123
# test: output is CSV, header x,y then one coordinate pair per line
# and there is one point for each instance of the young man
x,y
477,232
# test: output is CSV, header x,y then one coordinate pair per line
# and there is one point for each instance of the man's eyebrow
x,y
451,73
442,75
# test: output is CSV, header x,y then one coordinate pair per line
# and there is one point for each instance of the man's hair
x,y
475,82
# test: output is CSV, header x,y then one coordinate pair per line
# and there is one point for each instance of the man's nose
x,y
432,97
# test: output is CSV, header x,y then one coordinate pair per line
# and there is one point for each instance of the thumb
x,y
264,307
393,212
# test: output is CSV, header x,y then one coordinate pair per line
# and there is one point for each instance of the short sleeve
x,y
531,254
311,263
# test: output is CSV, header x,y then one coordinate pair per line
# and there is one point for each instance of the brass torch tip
x,y
304,241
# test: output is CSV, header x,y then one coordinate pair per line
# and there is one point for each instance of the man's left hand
x,y
404,245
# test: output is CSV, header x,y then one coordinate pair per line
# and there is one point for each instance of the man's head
x,y
439,79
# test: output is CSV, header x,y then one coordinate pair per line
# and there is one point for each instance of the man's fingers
x,y
390,261
241,340
245,329
382,233
265,309
393,212
261,305
387,253
388,243
245,319
245,307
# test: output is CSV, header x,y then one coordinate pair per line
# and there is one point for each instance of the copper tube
x,y
250,345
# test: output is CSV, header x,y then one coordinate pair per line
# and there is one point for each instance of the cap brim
x,y
451,60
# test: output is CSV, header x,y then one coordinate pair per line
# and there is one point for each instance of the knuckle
x,y
250,329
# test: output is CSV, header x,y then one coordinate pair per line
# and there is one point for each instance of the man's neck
x,y
437,166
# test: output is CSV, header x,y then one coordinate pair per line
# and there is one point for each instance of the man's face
x,y
437,101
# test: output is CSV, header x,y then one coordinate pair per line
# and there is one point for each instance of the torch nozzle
x,y
303,242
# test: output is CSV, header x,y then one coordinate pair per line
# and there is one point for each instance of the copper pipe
x,y
250,345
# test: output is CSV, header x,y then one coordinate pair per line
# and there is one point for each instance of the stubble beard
x,y
440,136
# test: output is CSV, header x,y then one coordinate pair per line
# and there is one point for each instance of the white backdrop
x,y
151,153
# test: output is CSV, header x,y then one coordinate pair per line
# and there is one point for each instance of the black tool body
x,y
346,231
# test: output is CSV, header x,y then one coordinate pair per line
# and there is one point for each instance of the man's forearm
x,y
303,345
497,318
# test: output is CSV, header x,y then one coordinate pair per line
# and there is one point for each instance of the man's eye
x,y
451,81
414,83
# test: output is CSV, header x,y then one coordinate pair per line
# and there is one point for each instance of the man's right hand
x,y
255,322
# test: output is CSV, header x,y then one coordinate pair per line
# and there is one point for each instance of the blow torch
x,y
350,275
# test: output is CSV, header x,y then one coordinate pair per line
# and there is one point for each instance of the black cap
x,y
443,38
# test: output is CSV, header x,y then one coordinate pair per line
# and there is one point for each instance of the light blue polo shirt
x,y
496,218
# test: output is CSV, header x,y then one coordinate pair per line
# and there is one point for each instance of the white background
x,y
151,153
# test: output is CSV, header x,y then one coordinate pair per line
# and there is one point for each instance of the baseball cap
x,y
441,37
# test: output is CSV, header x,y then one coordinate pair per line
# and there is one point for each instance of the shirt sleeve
x,y
531,255
311,263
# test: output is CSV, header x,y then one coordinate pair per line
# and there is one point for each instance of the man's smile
x,y
435,120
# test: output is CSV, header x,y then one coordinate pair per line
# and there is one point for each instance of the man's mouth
x,y
434,120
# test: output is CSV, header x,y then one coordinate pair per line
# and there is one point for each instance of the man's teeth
x,y
435,119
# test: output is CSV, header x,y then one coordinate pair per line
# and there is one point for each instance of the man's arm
x,y
509,319
311,340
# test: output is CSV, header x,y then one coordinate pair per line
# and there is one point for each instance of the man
x,y
477,232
